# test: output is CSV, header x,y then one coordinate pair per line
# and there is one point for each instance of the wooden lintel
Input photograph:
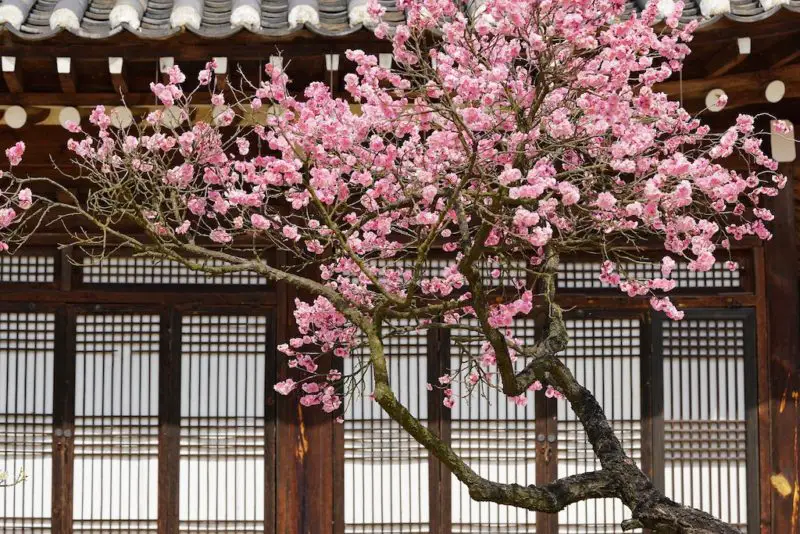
x,y
727,58
12,74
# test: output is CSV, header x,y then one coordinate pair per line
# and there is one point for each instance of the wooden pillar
x,y
439,422
305,473
784,380
169,423
64,423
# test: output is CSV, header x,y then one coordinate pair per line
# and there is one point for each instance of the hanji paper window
x,y
147,271
604,356
20,269
707,396
222,436
26,419
580,276
495,436
116,423
386,470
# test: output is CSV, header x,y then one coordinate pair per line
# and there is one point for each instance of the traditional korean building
x,y
138,396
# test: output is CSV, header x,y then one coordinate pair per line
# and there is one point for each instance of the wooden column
x,y
169,423
784,380
64,422
304,485
439,422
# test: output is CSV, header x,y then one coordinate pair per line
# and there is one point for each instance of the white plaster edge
x,y
185,16
303,15
124,14
12,15
64,18
246,16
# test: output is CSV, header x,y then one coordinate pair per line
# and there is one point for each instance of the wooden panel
x,y
782,305
304,456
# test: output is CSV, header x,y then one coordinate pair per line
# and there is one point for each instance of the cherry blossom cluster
x,y
521,129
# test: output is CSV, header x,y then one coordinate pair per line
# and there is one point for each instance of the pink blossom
x,y
25,198
14,154
259,221
7,216
605,201
285,387
183,228
290,232
219,235
667,265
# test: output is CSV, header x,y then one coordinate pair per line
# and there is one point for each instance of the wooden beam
x,y
65,75
780,55
742,89
12,73
728,57
116,69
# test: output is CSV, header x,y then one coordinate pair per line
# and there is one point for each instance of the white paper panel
x,y
494,435
26,419
386,471
604,355
116,423
126,270
705,416
223,373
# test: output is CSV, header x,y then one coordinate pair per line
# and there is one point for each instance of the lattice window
x,y
222,443
705,416
435,267
127,270
26,419
585,275
386,471
604,356
27,269
116,423
495,436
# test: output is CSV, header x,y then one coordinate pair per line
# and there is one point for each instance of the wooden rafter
x,y
116,69
12,73
221,73
66,77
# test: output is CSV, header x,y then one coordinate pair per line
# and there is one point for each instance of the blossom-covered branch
x,y
507,137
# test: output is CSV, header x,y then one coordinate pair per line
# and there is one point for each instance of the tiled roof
x,y
157,19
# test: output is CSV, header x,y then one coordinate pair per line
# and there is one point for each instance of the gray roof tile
x,y
333,17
